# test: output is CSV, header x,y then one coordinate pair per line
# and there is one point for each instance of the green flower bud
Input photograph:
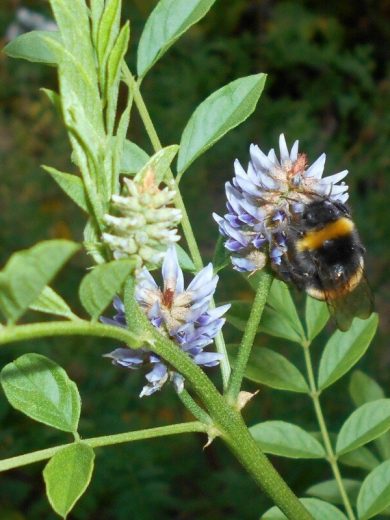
x,y
143,224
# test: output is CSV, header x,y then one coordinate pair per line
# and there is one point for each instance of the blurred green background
x,y
328,85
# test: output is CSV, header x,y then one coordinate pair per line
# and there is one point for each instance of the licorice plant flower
x,y
143,224
183,315
262,201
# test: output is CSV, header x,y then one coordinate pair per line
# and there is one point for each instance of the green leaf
x,y
114,67
41,389
87,139
365,424
279,298
167,22
82,113
317,508
221,257
77,60
28,272
32,46
374,494
316,317
184,259
108,29
271,323
360,458
51,303
92,242
329,490
133,158
286,440
344,349
272,369
98,288
74,25
54,99
71,184
97,8
67,476
280,317
364,389
278,325
160,163
220,112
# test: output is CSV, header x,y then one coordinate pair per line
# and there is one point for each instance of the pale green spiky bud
x,y
143,225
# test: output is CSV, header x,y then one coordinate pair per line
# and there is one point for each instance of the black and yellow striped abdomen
x,y
325,258
317,238
330,255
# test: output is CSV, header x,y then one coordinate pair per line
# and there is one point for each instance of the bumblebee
x,y
325,257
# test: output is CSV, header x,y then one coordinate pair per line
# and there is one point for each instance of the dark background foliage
x,y
328,85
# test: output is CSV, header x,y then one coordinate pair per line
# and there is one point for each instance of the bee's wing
x,y
357,303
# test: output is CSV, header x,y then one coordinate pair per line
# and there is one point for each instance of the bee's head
x,y
323,211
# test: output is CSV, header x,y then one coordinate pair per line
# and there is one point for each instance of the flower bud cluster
x,y
144,224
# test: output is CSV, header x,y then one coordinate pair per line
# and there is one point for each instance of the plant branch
x,y
105,440
12,334
186,224
332,459
249,336
232,429
193,407
226,420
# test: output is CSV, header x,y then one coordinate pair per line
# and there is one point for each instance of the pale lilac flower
x,y
262,201
183,315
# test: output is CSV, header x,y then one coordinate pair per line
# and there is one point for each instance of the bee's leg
x,y
291,273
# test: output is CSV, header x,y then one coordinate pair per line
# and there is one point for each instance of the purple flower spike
x,y
182,314
265,198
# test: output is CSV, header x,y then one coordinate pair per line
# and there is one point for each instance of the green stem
x,y
13,334
231,427
249,336
227,421
193,407
106,440
332,459
185,223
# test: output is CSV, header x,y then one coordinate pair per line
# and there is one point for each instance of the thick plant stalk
x,y
179,203
227,421
233,430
